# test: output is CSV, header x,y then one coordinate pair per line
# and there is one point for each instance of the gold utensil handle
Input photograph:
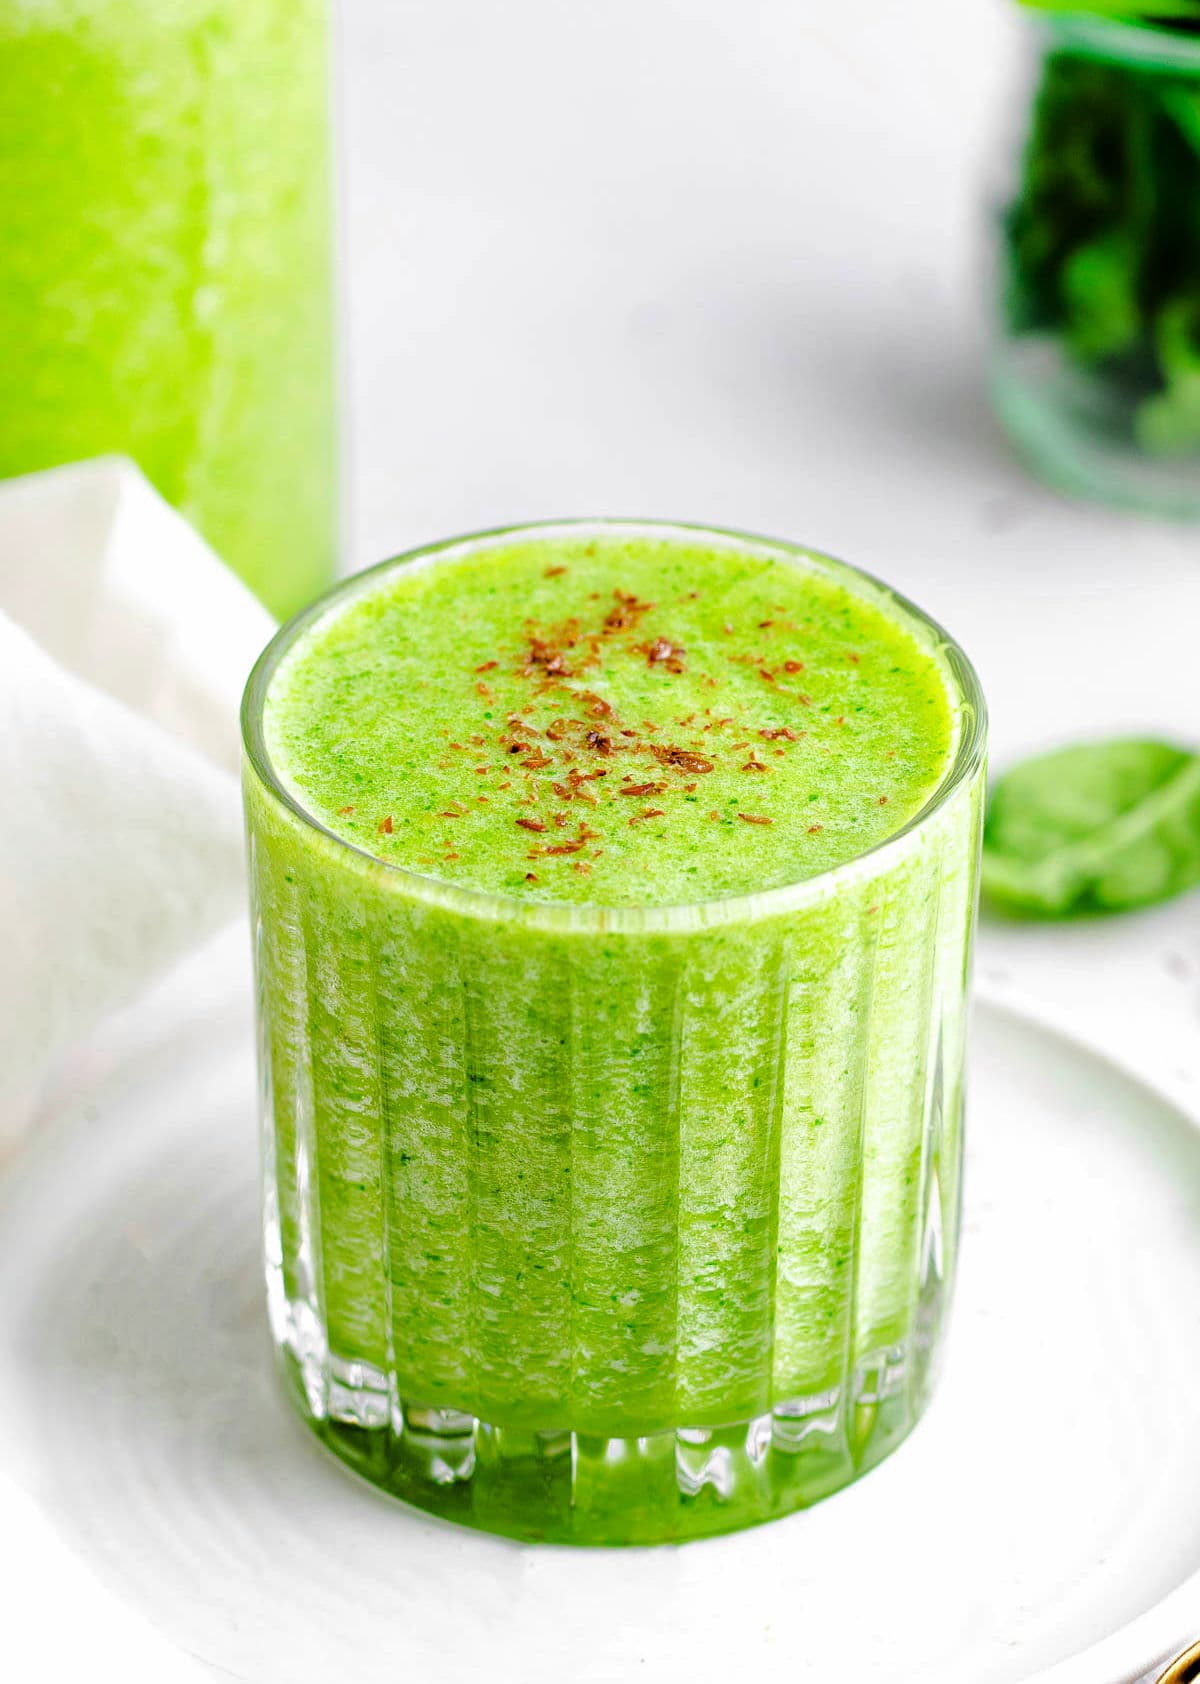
x,y
1184,1669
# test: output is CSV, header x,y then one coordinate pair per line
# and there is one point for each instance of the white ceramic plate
x,y
1049,1504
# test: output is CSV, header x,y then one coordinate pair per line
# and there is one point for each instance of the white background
x,y
726,262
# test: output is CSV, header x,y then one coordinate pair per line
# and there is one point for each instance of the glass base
x,y
575,1488
1077,437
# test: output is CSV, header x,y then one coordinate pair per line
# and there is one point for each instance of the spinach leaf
x,y
1093,828
1100,294
1170,421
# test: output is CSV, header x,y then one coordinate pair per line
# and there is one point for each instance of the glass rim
x,y
962,685
1120,40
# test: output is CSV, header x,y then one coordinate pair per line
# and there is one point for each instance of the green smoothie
x,y
614,886
166,281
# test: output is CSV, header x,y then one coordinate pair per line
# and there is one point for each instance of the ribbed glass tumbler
x,y
612,1225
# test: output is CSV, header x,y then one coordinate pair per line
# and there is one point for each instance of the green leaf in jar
x,y
1093,828
1170,420
1100,291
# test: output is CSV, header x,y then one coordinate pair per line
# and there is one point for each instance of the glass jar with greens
x,y
1096,365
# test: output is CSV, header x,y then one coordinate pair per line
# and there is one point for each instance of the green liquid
x,y
773,721
166,287
572,1162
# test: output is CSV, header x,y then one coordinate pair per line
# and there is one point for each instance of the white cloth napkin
x,y
124,646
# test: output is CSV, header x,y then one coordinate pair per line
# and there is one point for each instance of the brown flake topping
x,y
663,653
544,657
685,759
626,614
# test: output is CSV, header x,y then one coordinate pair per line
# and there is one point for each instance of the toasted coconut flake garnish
x,y
663,653
684,759
626,614
545,658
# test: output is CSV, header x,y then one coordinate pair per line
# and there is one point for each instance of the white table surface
x,y
722,262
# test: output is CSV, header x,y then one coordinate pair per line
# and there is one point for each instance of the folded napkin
x,y
124,645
